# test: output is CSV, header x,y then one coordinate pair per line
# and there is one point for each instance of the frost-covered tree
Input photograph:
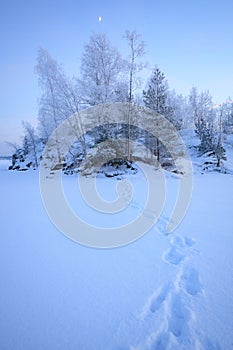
x,y
208,124
156,95
101,69
135,65
204,115
50,74
179,106
31,143
28,155
227,117
220,152
59,98
155,98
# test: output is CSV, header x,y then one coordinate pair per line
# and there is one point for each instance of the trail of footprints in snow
x,y
188,276
175,331
176,298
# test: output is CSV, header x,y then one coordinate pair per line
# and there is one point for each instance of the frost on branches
x,y
106,76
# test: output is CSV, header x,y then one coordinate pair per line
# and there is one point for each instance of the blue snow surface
x,y
163,291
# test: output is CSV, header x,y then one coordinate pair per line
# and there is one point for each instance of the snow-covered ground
x,y
162,292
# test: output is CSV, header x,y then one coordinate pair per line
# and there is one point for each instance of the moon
x,y
100,18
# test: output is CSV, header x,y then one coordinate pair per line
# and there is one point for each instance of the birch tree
x,y
59,100
101,68
135,65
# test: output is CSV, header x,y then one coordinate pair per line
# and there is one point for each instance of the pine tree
x,y
220,152
204,115
155,98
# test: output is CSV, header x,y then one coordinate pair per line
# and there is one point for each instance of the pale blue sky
x,y
192,42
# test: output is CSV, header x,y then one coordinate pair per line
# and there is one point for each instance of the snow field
x,y
163,291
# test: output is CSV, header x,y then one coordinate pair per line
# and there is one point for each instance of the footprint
x,y
182,242
161,225
178,241
158,298
161,342
172,303
173,255
179,316
190,281
189,241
